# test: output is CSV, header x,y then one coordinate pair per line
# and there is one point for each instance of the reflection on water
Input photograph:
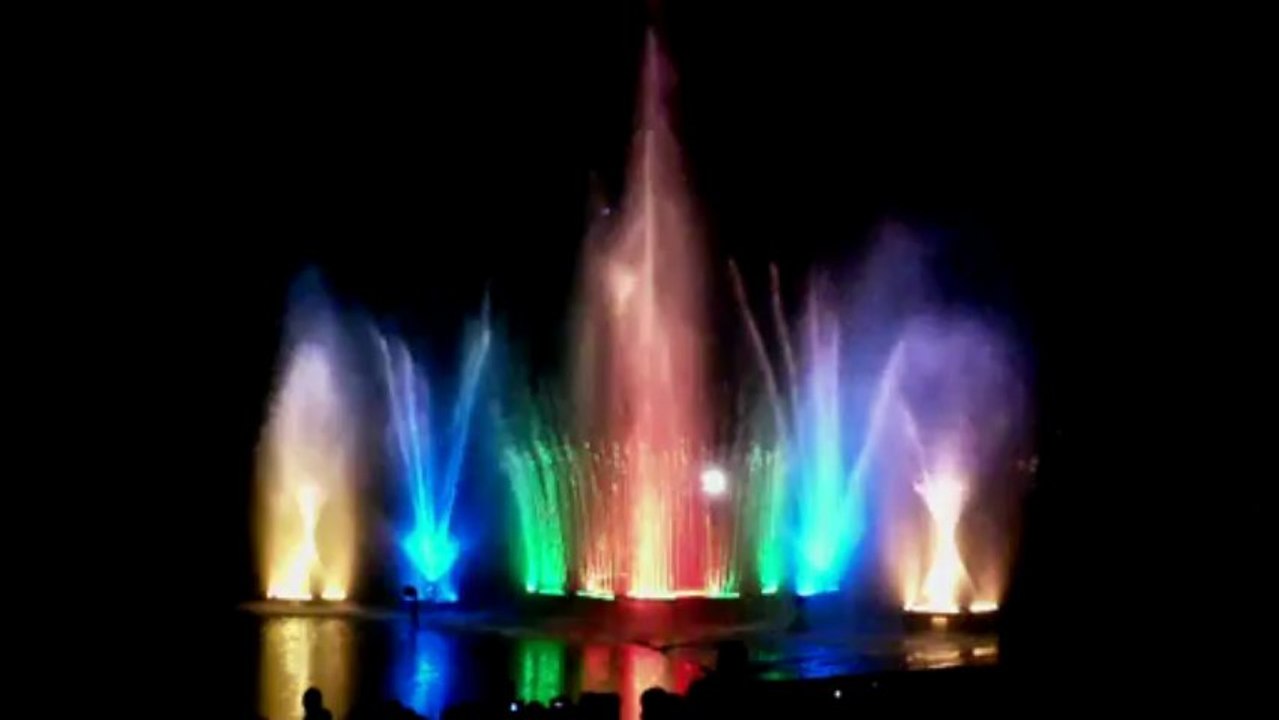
x,y
300,652
422,670
359,660
940,650
629,670
935,658
429,670
541,670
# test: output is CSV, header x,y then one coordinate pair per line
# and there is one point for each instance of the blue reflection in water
x,y
422,677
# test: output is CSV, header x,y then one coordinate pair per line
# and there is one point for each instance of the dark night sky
x,y
417,163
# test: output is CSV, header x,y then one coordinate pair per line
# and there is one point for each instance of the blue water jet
x,y
430,545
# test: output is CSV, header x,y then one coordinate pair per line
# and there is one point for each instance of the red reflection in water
x,y
597,672
629,670
686,672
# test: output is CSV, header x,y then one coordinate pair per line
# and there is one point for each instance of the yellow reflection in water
x,y
940,651
301,652
935,657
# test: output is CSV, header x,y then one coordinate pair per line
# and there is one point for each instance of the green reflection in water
x,y
540,670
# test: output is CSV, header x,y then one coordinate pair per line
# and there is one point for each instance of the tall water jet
x,y
306,470
430,481
642,374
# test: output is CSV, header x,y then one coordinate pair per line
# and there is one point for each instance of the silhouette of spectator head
x,y
313,705
653,704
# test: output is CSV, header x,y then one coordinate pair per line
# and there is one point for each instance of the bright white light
x,y
714,481
838,693
944,496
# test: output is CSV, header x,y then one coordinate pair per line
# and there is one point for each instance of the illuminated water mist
x,y
957,409
643,301
570,502
765,506
306,512
828,480
623,512
946,577
431,481
538,466
826,457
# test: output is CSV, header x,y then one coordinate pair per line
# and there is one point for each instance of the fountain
x,y
827,458
307,523
623,512
880,423
946,578
543,471
429,543
643,376
958,403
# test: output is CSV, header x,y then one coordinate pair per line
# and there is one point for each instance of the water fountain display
x,y
879,426
623,489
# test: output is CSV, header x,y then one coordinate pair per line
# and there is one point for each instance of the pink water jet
x,y
641,390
